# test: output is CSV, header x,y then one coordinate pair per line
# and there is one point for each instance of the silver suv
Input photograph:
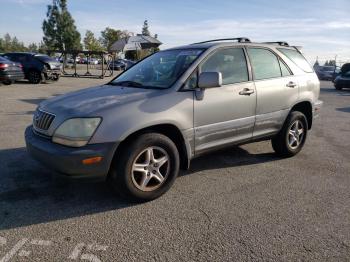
x,y
138,130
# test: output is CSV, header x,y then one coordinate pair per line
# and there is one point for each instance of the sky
x,y
322,27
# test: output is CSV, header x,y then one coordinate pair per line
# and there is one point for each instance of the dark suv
x,y
36,67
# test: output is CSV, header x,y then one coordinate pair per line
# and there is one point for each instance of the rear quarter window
x,y
297,58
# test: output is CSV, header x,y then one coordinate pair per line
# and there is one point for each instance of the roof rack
x,y
238,39
278,43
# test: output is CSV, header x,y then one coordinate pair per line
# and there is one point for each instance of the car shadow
x,y
31,194
343,92
229,157
344,109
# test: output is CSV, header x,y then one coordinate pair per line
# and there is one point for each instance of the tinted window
x,y
230,62
297,59
265,64
284,69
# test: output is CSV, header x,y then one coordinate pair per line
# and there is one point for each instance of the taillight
x,y
3,66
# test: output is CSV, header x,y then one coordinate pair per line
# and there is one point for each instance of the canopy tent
x,y
133,43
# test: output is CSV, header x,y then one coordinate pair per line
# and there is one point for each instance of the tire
x,y
288,142
34,77
7,82
135,165
338,87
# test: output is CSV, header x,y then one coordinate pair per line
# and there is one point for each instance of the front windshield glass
x,y
159,70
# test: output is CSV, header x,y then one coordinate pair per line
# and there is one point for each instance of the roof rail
x,y
238,39
282,43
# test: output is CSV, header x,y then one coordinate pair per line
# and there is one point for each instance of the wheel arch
x,y
169,130
304,107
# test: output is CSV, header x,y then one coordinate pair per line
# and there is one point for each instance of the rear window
x,y
328,68
297,59
3,59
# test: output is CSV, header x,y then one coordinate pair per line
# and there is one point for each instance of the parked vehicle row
x,y
138,130
37,68
121,64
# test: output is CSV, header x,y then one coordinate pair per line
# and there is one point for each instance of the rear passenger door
x,y
276,87
225,114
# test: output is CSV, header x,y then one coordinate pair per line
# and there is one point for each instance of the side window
x,y
230,62
192,81
265,64
22,58
284,69
297,58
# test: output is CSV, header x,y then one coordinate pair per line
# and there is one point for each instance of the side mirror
x,y
210,79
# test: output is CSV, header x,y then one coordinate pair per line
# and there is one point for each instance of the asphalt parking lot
x,y
243,203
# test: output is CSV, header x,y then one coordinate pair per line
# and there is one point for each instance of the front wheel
x,y
34,77
291,139
146,168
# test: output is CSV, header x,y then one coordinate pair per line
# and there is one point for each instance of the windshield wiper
x,y
126,83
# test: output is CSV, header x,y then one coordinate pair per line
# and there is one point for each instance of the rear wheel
x,y
291,139
146,168
34,77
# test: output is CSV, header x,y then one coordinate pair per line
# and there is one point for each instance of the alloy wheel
x,y
150,168
296,134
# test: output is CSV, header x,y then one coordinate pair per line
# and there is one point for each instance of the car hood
x,y
93,100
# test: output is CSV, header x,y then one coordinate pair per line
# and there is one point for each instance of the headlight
x,y
76,132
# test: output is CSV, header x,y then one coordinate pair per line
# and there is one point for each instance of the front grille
x,y
42,120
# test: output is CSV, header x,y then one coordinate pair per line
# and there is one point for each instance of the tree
x,y
59,28
109,36
11,44
33,47
331,63
91,43
145,30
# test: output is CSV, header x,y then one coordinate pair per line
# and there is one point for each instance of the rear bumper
x,y
317,108
68,160
4,76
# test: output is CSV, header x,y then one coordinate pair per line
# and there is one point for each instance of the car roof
x,y
229,42
21,53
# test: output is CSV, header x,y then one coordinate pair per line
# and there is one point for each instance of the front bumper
x,y
52,74
68,160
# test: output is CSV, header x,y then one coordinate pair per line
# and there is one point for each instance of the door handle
x,y
246,92
291,84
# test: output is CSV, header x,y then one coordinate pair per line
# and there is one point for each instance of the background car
x,y
325,72
37,67
343,79
93,61
10,71
121,64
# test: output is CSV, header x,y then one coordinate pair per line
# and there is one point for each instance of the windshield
x,y
159,70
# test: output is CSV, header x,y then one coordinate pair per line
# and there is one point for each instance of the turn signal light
x,y
92,160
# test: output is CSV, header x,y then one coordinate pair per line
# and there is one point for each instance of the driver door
x,y
225,115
